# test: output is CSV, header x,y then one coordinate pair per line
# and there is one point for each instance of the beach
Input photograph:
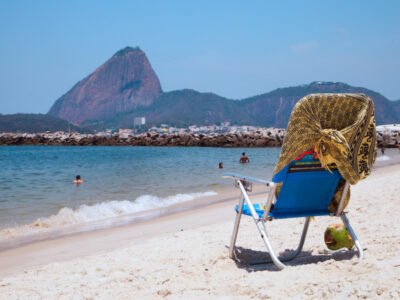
x,y
184,255
128,131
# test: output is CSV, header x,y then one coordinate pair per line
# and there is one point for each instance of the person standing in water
x,y
244,159
78,180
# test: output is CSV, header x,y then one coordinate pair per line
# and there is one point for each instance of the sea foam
x,y
383,158
90,217
111,209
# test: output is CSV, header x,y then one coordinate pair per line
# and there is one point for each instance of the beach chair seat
x,y
313,200
330,144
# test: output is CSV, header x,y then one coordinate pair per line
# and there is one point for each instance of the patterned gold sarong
x,y
340,128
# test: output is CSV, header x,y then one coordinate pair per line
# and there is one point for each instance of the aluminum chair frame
x,y
243,183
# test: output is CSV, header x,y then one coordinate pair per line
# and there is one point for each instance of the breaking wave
x,y
383,158
91,217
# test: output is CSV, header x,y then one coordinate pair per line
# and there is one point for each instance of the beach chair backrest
x,y
307,189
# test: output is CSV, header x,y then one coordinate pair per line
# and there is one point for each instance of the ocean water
x,y
37,190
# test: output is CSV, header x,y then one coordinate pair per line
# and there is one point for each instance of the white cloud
x,y
303,48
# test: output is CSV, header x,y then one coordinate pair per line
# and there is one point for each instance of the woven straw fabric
x,y
339,127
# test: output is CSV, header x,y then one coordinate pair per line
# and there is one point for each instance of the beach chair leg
x,y
278,261
353,235
301,243
236,228
261,227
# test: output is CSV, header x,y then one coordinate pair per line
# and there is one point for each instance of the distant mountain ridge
x,y
187,107
282,101
126,86
396,106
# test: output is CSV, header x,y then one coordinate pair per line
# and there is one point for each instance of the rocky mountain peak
x,y
123,83
128,50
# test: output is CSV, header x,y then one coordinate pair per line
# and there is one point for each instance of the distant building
x,y
388,134
139,121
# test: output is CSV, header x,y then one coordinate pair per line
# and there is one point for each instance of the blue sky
x,y
236,49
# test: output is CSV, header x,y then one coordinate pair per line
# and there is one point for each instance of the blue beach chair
x,y
307,190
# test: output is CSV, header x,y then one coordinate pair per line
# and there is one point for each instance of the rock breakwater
x,y
263,138
388,135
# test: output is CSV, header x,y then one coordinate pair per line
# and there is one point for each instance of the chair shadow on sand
x,y
254,260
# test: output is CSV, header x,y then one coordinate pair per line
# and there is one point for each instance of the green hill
x,y
33,123
188,107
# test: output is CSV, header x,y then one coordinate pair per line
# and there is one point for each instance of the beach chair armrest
x,y
248,179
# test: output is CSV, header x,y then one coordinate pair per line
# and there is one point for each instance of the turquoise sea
x,y
38,199
37,187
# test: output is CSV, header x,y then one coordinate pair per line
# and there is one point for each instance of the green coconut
x,y
337,237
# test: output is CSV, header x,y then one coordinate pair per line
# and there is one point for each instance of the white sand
x,y
193,263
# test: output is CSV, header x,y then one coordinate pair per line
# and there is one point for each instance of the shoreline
x,y
15,237
102,240
203,210
224,194
185,256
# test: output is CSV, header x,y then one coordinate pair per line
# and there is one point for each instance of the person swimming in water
x,y
244,159
78,180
